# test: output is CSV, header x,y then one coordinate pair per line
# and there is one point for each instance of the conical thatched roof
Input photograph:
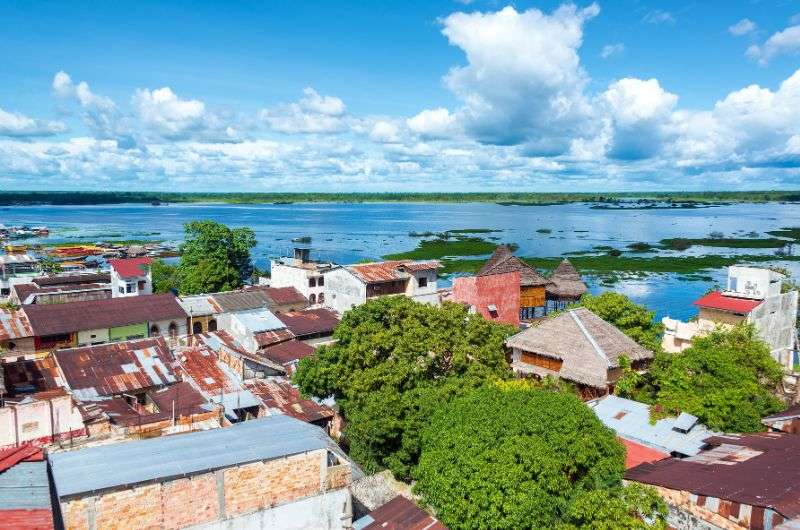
x,y
566,282
503,261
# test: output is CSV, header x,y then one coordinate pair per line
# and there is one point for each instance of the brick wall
x,y
196,500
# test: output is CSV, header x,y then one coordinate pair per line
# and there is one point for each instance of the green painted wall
x,y
123,332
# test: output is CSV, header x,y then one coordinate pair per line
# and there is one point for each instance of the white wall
x,y
753,282
343,290
163,327
287,276
33,420
118,283
775,321
329,511
94,336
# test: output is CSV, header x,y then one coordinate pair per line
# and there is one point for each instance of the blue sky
x,y
415,95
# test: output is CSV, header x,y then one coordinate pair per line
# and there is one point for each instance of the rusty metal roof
x,y
113,369
310,321
288,351
278,395
399,513
757,469
32,376
57,319
200,364
269,338
388,271
181,398
69,279
14,325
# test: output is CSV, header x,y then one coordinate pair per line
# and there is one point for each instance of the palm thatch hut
x,y
566,286
533,298
577,346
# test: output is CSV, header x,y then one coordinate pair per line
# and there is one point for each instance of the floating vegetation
x,y
641,246
439,248
789,232
680,243
544,231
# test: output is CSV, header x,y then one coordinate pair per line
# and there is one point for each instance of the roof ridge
x,y
589,337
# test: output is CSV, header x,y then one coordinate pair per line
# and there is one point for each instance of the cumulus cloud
x,y
385,132
658,16
20,126
312,114
162,110
786,42
433,123
523,82
743,27
612,49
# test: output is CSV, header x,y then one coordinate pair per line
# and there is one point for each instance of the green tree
x,y
728,379
394,362
214,257
632,319
48,265
165,276
516,456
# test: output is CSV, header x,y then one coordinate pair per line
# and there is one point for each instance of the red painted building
x,y
494,296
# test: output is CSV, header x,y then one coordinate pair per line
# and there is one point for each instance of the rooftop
x,y
57,319
398,513
14,325
310,321
131,267
631,420
71,279
503,260
388,271
566,282
288,351
256,297
717,300
636,454
94,469
186,401
24,489
112,369
278,395
586,344
256,320
757,469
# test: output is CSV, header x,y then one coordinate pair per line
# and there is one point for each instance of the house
x,y
679,436
15,268
24,490
302,274
753,295
131,277
496,297
577,346
566,286
310,325
785,421
16,335
245,364
102,321
31,293
531,285
278,396
254,329
287,354
396,514
352,285
738,482
273,473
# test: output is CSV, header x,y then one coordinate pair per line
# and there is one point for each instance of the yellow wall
x,y
531,296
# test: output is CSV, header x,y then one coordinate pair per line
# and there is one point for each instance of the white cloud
x,y
658,16
612,49
433,123
385,132
786,42
19,125
163,111
312,114
743,27
65,88
523,82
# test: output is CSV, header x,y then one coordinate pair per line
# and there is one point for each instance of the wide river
x,y
347,233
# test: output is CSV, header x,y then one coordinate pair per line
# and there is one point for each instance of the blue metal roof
x,y
97,468
25,487
631,420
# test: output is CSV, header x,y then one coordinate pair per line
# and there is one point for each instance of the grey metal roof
x,y
631,420
97,468
256,320
24,487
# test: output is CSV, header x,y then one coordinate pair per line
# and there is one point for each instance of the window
x,y
141,285
121,290
312,299
130,287
321,281
312,282
321,298
173,329
212,325
197,327
422,281
154,330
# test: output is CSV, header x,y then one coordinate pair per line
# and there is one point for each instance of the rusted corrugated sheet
x,y
402,513
14,325
202,365
310,321
288,352
387,271
268,338
278,394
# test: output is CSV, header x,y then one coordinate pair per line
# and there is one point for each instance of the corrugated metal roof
x,y
15,259
94,469
717,300
401,513
131,267
387,271
278,395
24,486
288,351
256,320
631,420
14,325
199,305
636,453
69,279
310,321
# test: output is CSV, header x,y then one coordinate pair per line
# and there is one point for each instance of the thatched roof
x,y
587,345
503,261
566,282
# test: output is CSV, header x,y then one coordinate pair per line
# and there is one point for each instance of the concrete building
x,y
301,273
753,296
271,473
496,297
131,277
352,285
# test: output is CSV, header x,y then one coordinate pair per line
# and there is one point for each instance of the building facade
x,y
300,272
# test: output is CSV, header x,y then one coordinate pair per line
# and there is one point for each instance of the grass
x,y
599,265
439,248
788,232
681,243
641,247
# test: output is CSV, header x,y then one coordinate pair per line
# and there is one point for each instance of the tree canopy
x,y
214,258
165,276
395,361
634,320
512,456
728,379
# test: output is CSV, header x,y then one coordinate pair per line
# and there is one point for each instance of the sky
x,y
400,96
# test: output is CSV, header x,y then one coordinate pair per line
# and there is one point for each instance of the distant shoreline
x,y
163,199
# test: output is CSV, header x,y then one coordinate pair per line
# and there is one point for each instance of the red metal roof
x,y
24,453
19,519
279,394
310,321
186,401
402,514
717,300
131,267
387,271
287,352
636,453
757,469
265,339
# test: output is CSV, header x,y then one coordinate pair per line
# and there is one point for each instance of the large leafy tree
x,y
632,319
513,456
214,257
728,379
395,361
165,276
